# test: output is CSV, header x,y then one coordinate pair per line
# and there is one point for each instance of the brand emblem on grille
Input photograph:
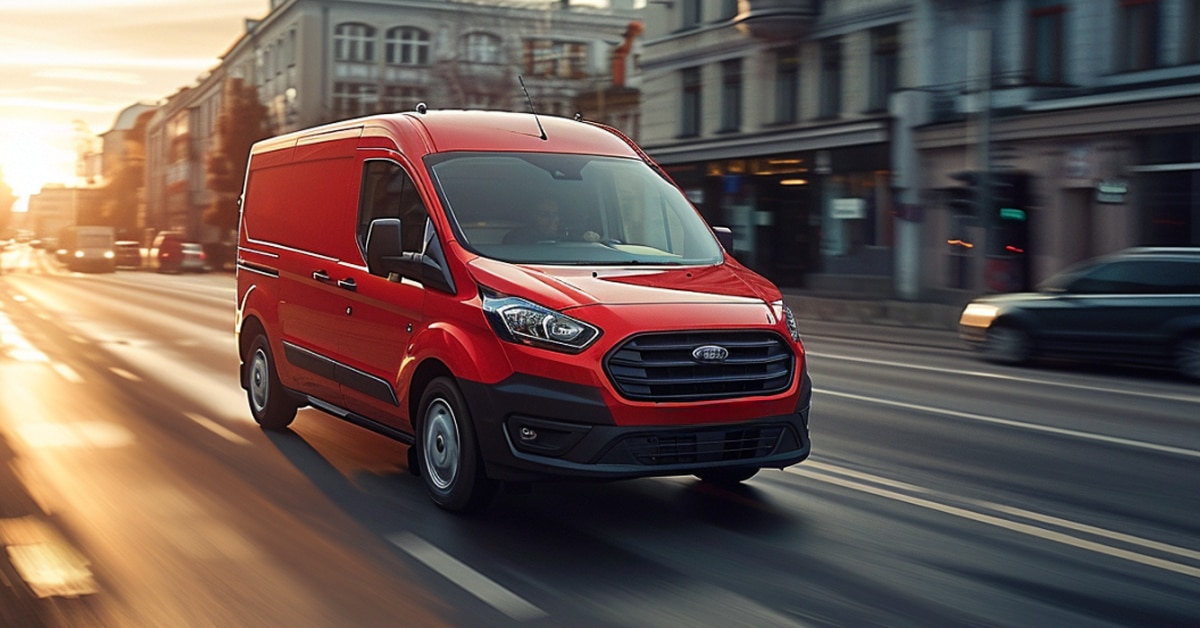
x,y
710,353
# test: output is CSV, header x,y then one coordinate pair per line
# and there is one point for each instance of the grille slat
x,y
704,446
660,367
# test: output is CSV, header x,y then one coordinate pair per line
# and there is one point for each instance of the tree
x,y
122,193
7,200
242,122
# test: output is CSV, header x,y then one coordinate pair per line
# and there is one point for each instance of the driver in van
x,y
544,227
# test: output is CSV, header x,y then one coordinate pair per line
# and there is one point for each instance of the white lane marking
x,y
125,374
217,428
1182,552
66,372
1013,526
1136,444
474,582
1009,378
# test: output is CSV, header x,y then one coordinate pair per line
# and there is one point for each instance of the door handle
x,y
347,284
321,276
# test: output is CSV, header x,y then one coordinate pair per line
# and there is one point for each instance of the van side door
x,y
383,312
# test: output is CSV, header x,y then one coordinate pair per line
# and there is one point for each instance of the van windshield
x,y
553,208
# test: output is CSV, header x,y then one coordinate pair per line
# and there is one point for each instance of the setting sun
x,y
34,153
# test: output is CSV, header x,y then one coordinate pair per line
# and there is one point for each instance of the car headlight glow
x,y
521,321
978,315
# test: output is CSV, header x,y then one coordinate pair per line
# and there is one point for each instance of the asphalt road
x,y
942,491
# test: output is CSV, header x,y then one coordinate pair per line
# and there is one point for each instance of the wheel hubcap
x,y
259,386
441,445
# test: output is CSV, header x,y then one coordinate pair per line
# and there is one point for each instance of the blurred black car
x,y
1137,306
128,254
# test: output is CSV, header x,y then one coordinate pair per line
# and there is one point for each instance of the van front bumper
x,y
533,429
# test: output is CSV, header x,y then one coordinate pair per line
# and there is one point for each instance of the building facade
x,y
850,143
774,116
317,61
1086,113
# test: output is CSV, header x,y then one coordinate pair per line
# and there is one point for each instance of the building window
x,y
1046,45
885,65
351,100
729,10
689,114
1191,32
354,42
483,48
1138,34
401,97
731,95
831,78
692,15
407,46
561,59
787,85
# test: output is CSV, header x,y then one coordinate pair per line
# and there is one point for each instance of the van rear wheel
x,y
450,464
269,402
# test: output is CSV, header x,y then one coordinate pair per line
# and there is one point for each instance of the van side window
x,y
388,192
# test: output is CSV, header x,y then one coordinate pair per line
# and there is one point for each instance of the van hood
x,y
565,287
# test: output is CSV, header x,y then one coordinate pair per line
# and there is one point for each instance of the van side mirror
x,y
725,237
386,255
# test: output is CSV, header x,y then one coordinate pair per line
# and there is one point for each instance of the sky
x,y
68,66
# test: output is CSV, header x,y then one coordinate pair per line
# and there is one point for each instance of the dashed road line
x,y
464,576
826,473
1032,427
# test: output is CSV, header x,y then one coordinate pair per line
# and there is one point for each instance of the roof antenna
x,y
529,100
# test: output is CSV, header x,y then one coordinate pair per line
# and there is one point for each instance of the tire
x,y
727,476
270,404
450,463
1007,344
1187,357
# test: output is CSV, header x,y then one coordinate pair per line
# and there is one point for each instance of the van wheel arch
x,y
451,465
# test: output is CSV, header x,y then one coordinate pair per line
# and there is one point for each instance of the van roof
x,y
468,130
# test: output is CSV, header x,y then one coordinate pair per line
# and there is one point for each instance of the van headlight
x,y
521,321
785,312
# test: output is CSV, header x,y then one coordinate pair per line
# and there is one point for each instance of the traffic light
x,y
999,202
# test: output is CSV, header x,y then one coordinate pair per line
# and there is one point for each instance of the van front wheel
x,y
449,455
269,402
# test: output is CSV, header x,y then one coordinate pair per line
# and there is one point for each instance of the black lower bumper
x,y
536,429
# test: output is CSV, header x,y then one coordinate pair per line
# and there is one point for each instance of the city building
x,y
316,61
1084,113
929,149
774,117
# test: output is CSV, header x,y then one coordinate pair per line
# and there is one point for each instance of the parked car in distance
x,y
193,259
1136,306
128,253
166,253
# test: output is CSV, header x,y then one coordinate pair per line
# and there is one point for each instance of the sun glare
x,y
34,153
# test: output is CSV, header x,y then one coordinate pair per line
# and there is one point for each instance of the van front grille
x,y
665,367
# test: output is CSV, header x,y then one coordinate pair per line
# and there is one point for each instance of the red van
x,y
517,298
